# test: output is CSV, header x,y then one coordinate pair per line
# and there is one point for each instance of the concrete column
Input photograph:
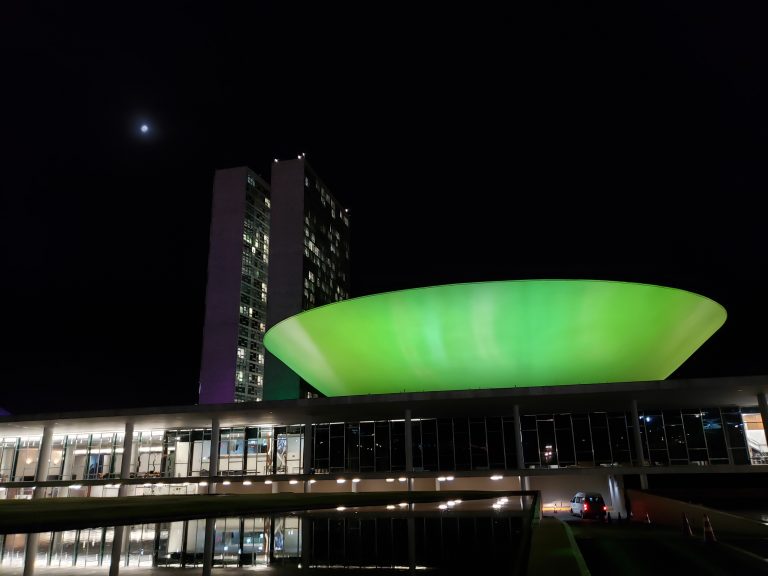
x,y
616,491
306,537
762,401
41,474
411,544
213,463
518,437
639,457
640,460
437,485
408,443
125,472
213,471
524,481
307,457
275,489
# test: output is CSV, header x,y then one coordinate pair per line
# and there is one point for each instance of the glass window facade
x,y
249,372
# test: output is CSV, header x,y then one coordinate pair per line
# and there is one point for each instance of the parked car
x,y
588,505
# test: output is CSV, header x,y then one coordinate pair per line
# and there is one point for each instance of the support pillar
x,y
306,541
762,401
411,543
640,458
408,443
41,474
125,472
524,481
307,456
213,471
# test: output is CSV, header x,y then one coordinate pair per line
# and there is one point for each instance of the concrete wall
x,y
222,296
668,512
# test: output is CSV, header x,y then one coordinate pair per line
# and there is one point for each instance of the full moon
x,y
144,128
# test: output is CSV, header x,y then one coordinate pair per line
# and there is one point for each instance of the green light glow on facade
x,y
496,335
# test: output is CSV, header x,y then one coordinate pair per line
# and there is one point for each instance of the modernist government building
x,y
555,386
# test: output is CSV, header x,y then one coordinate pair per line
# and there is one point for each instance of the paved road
x,y
635,549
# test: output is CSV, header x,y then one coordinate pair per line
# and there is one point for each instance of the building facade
x,y
557,440
306,231
310,259
232,363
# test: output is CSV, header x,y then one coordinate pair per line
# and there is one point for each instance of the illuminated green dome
x,y
496,335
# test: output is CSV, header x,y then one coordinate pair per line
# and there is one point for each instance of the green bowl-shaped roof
x,y
496,335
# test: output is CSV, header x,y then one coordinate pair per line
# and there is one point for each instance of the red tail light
x,y
605,508
586,507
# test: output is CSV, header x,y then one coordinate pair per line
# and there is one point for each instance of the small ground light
x,y
75,486
390,479
443,506
341,508
267,481
403,504
497,477
246,482
355,480
503,500
496,505
449,478
390,506
451,503
226,482
312,481
441,478
293,482
401,479
457,501
340,480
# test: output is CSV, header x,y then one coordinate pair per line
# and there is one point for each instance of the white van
x,y
588,505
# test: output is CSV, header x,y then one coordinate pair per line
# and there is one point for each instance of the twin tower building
x,y
276,249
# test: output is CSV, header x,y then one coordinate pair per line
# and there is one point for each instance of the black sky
x,y
573,140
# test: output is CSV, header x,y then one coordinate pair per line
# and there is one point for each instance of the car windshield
x,y
595,499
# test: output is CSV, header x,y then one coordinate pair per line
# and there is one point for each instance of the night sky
x,y
578,141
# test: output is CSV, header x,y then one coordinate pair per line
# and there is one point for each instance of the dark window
x,y
445,444
510,443
418,459
713,432
367,448
322,444
337,447
546,433
694,436
601,442
734,429
398,445
478,444
582,439
382,446
654,434
495,443
461,444
564,439
352,445
619,434
429,444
